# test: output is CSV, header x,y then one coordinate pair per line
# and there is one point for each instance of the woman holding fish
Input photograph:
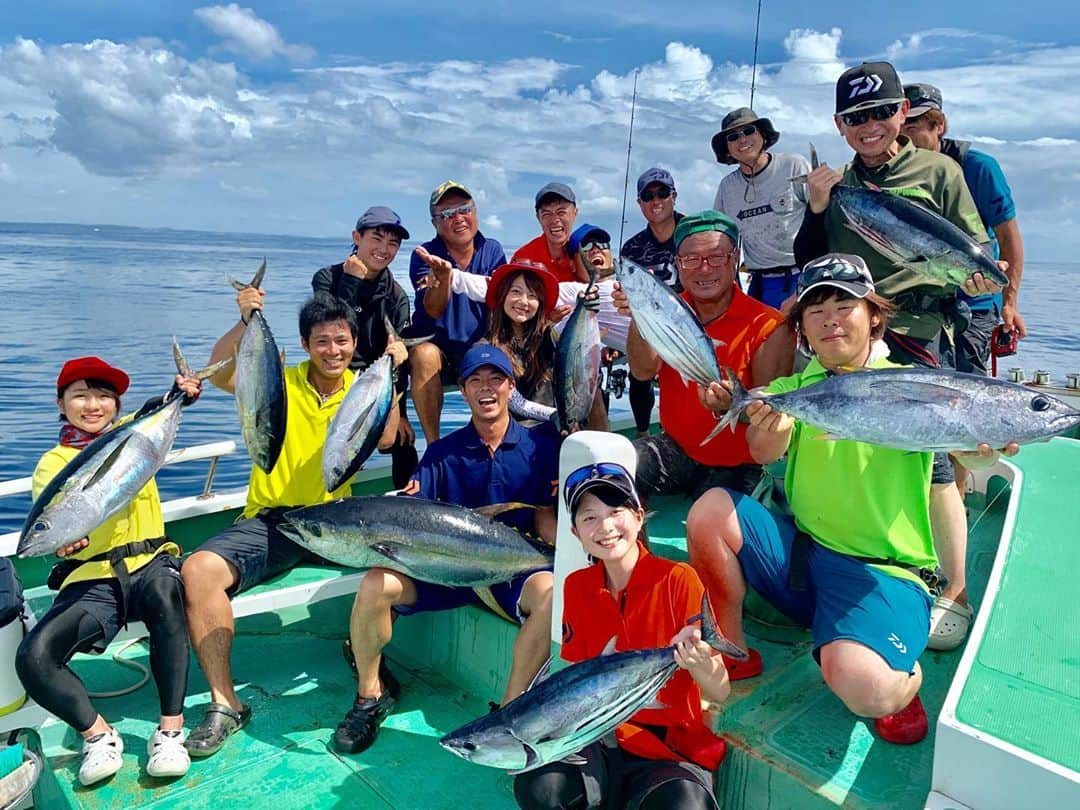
x,y
125,570
665,754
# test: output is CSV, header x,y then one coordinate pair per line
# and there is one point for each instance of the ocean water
x,y
122,293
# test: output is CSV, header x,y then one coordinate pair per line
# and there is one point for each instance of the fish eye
x,y
468,746
42,526
1040,403
315,529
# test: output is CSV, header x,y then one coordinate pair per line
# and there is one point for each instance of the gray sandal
x,y
218,724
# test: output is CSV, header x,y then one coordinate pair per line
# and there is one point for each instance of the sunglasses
x,y
692,261
450,213
883,112
604,471
745,132
587,246
832,270
661,193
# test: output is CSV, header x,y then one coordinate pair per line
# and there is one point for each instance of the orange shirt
x,y
743,328
660,599
537,251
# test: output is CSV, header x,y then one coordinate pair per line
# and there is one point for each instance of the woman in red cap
x,y
91,606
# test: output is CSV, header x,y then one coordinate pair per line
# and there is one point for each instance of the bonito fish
x,y
104,477
430,541
577,364
355,429
576,706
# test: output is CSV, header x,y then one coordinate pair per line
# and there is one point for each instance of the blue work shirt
x,y
993,199
463,322
459,468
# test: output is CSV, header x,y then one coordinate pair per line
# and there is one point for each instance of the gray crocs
x,y
218,724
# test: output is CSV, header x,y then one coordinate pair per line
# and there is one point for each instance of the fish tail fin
x,y
710,634
256,280
740,398
182,366
814,162
209,371
390,329
494,509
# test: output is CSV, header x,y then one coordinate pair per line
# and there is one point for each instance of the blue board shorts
x,y
844,598
507,595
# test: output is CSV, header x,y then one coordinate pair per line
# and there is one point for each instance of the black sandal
x,y
218,724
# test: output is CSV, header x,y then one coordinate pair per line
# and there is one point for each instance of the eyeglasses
x,y
745,132
661,193
882,112
450,213
692,261
587,246
605,471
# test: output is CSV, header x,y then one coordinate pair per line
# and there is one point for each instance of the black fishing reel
x,y
616,382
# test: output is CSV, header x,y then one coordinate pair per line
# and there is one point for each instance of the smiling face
x,y
522,300
748,149
376,247
705,283
925,132
607,533
88,405
875,141
556,217
330,346
487,392
838,329
460,230
657,211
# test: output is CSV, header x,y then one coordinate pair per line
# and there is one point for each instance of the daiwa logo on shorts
x,y
864,84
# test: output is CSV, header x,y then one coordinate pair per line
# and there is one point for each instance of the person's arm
x,y
705,665
544,524
435,294
1012,251
812,240
248,300
770,432
774,357
473,285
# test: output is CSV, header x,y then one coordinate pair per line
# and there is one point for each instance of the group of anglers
x,y
848,304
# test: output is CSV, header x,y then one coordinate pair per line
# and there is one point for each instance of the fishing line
x,y
986,508
135,665
753,71
626,178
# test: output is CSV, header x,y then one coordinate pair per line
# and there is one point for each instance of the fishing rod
x,y
753,72
629,145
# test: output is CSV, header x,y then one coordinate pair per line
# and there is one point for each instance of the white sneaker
x,y
168,757
102,757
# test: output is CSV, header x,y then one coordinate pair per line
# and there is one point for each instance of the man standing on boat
x,y
654,249
752,341
364,282
492,460
760,196
253,549
871,109
455,321
556,210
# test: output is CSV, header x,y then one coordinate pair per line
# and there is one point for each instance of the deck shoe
x,y
103,755
905,727
168,757
218,724
740,670
357,731
949,624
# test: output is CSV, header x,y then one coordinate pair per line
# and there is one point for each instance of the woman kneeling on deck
x,y
93,604
664,757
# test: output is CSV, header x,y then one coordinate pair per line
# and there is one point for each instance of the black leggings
x,y
642,400
42,659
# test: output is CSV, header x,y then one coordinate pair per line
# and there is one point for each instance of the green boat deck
x,y
791,743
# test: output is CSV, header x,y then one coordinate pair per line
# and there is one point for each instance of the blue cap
x,y
560,190
379,216
655,175
579,236
484,354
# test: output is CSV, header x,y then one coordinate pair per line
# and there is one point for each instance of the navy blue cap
x,y
655,175
578,237
484,354
560,190
379,216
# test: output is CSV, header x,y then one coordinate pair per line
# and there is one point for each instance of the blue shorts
x,y
507,595
773,289
844,598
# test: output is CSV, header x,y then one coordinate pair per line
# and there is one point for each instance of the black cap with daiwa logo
x,y
871,84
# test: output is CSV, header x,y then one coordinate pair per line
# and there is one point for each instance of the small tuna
x,y
577,365
358,424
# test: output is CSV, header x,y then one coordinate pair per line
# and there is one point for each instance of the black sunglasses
x,y
745,132
882,112
661,193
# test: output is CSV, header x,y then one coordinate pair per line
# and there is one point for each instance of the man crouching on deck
x,y
491,460
254,549
856,507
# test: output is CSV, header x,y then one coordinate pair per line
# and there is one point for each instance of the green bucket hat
x,y
708,220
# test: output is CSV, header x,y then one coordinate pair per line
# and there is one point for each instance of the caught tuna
x,y
430,541
355,429
577,365
917,409
260,386
576,706
668,324
104,477
912,236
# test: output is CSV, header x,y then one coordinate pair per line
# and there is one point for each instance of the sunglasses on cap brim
x,y
604,471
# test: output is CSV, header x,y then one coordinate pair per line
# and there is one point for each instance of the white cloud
x,y
493,223
246,33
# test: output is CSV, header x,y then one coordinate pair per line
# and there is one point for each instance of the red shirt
x,y
742,328
537,251
660,599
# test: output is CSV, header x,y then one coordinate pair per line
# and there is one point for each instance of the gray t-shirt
x,y
769,209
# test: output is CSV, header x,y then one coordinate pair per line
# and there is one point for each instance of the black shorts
x,y
973,343
101,598
257,550
664,468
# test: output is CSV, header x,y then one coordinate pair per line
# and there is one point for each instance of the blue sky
x,y
292,117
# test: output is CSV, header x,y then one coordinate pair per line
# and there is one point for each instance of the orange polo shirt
x,y
660,599
537,251
742,328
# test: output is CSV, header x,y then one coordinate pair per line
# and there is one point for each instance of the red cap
x,y
92,368
547,278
